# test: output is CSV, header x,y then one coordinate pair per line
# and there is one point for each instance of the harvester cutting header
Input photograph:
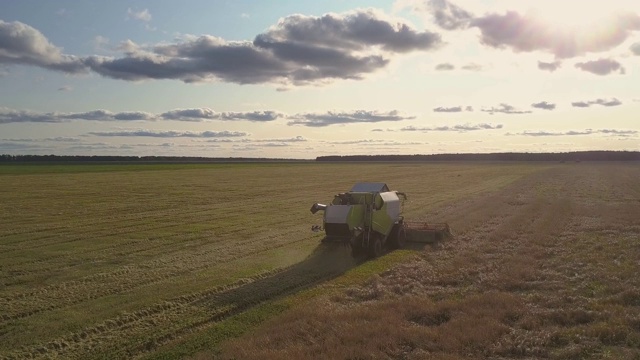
x,y
369,217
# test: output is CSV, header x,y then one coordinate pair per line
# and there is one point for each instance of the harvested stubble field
x,y
149,261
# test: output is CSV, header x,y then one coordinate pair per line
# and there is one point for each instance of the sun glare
x,y
572,15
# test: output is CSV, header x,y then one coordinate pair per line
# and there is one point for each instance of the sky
x,y
293,79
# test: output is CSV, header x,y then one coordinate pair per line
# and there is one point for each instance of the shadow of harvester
x,y
326,262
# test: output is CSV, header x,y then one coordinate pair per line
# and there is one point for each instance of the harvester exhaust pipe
x,y
317,207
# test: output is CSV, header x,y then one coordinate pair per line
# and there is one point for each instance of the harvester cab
x,y
369,218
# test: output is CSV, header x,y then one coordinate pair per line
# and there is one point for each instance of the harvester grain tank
x,y
368,218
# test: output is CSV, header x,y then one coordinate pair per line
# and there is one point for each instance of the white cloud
x,y
543,25
298,50
601,66
549,66
544,105
448,109
454,128
445,67
601,102
505,109
101,43
141,15
346,117
169,134
22,44
613,132
196,114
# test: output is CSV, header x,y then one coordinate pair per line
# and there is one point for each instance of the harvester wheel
x,y
375,247
398,236
356,251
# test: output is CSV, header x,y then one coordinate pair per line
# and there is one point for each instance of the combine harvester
x,y
369,218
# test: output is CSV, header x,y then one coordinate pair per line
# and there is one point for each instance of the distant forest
x,y
567,157
128,159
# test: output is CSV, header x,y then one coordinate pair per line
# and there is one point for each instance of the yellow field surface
x,y
545,268
129,261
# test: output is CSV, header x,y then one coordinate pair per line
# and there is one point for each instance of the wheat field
x,y
545,268
218,261
125,261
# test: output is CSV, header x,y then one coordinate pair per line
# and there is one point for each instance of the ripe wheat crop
x,y
545,267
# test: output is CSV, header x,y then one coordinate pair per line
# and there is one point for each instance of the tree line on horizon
x,y
567,156
5,158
